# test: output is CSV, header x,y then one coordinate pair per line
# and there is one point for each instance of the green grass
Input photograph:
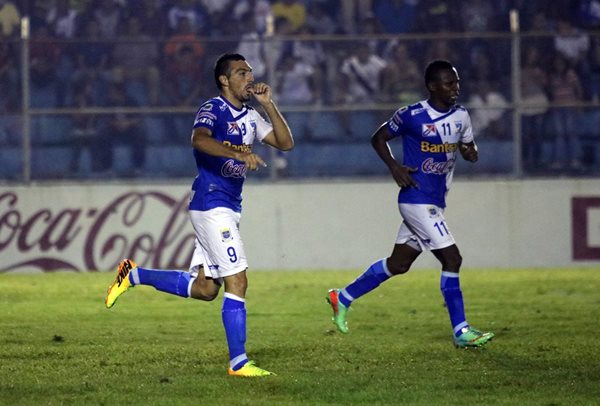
x,y
59,345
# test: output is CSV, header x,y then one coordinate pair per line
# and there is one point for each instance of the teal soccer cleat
x,y
472,338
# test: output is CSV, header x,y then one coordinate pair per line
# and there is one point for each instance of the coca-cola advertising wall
x,y
296,225
87,228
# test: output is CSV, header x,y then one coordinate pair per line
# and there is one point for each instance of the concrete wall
x,y
337,224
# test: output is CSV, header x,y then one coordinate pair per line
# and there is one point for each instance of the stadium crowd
x,y
159,53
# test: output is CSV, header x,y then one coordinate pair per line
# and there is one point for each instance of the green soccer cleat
x,y
121,283
339,310
249,369
472,338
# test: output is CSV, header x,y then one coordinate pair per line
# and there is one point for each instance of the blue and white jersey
x,y
430,143
220,180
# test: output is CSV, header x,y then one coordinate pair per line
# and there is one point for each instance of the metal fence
x,y
65,105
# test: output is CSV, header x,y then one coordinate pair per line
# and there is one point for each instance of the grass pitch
x,y
59,345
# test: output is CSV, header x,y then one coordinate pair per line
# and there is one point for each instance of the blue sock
x,y
173,282
234,321
450,286
374,276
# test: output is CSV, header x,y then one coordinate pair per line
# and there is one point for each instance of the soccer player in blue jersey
x,y
224,130
433,132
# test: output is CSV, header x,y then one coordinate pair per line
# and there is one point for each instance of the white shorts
x,y
424,227
219,247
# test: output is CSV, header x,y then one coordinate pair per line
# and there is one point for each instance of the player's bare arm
x,y
400,173
468,151
281,137
203,141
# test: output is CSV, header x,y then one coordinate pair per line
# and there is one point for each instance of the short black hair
x,y
434,68
222,66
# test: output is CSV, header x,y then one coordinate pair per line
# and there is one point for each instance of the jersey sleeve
x,y
263,127
396,123
207,115
467,131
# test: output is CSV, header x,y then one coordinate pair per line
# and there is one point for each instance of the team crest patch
x,y
232,128
458,125
428,130
433,212
226,235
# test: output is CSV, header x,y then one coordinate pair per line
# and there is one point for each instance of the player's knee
x,y
204,290
398,267
453,262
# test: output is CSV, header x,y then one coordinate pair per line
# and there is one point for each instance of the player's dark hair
x,y
222,66
432,72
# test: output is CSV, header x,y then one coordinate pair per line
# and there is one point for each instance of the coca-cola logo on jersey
x,y
150,227
437,168
232,170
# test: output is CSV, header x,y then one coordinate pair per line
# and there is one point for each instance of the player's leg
x,y
175,282
406,250
464,335
225,259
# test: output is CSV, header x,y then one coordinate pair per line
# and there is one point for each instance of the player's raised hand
x,y
401,174
262,92
252,161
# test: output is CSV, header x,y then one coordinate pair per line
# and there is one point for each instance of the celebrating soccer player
x,y
225,128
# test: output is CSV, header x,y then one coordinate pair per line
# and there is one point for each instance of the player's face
x,y
446,88
240,80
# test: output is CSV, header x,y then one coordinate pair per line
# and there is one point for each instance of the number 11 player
x,y
433,131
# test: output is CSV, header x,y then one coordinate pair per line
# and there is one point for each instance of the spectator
x,y
277,45
218,12
260,10
371,29
109,16
535,106
572,43
251,45
185,9
297,82
360,83
92,57
184,84
292,10
152,16
63,19
477,16
594,59
307,49
9,75
44,55
122,128
319,21
488,106
361,75
565,88
184,36
401,78
352,12
10,19
135,59
85,130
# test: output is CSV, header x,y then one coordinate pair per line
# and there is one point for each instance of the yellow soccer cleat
x,y
249,369
121,283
